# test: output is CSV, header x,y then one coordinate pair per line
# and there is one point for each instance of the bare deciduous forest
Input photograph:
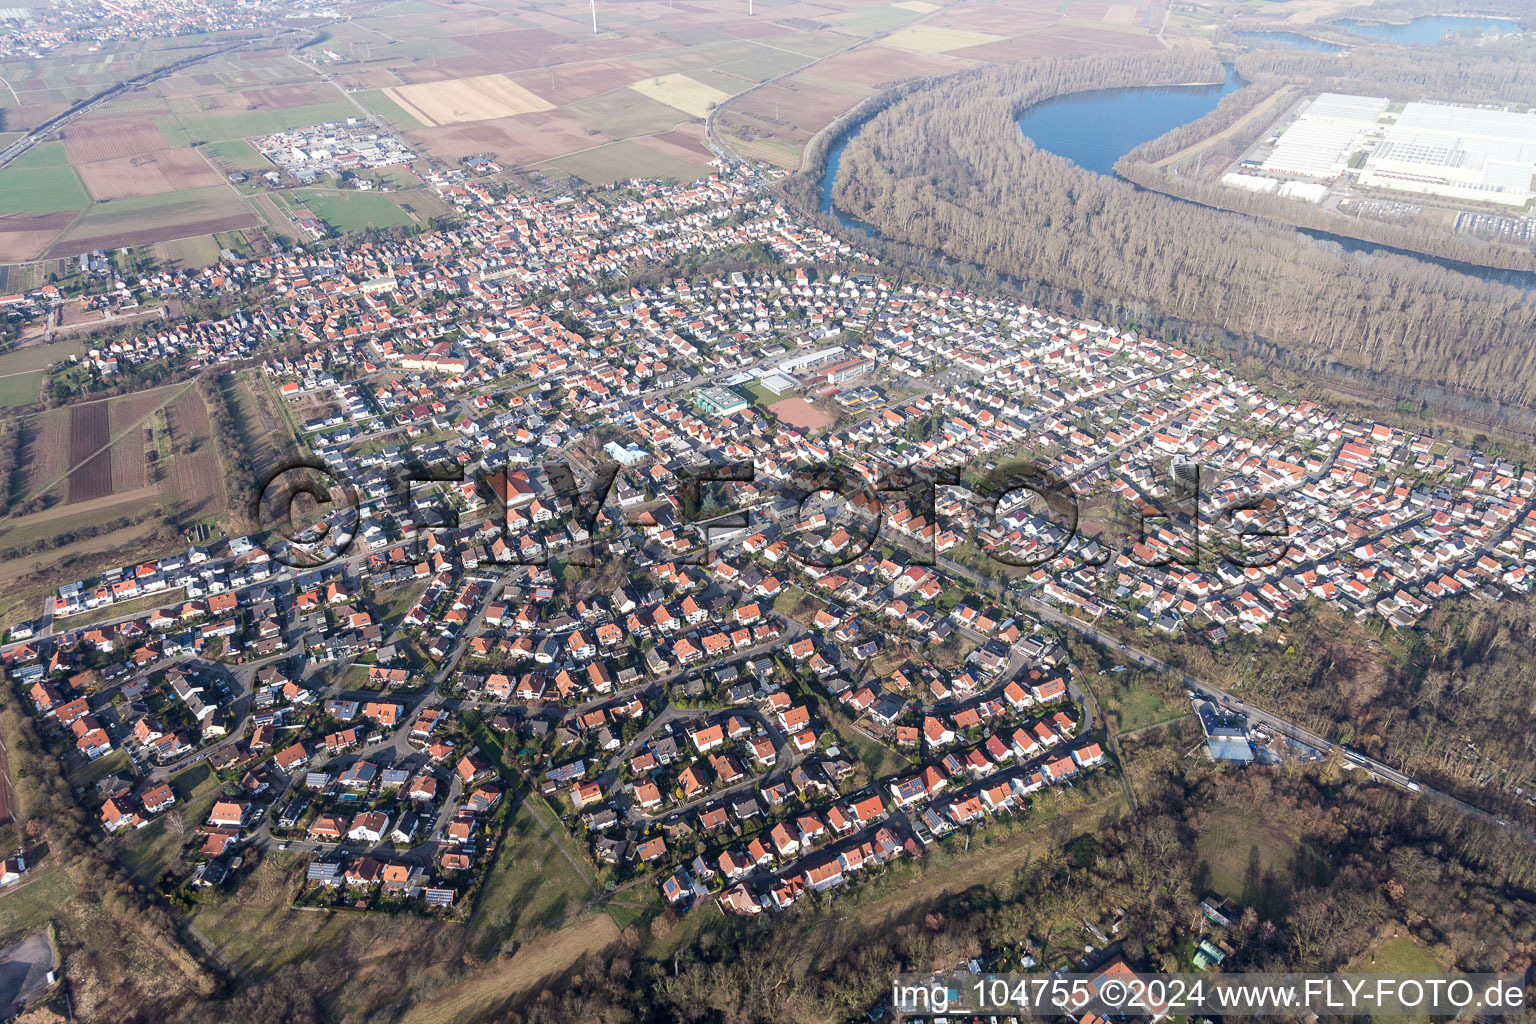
x,y
945,167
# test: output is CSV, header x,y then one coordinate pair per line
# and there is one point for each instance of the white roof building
x,y
1329,130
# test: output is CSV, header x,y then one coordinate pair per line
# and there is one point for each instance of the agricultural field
x,y
236,155
37,357
41,181
915,38
128,463
148,174
480,98
633,158
199,251
193,480
26,236
144,219
89,141
91,476
931,39
689,95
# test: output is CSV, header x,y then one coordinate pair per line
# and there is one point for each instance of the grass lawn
x,y
20,389
1399,955
1395,954
877,757
150,850
1250,857
354,211
1131,706
637,906
530,885
100,768
31,904
41,189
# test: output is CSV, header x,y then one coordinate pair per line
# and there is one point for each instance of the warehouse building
x,y
1325,135
1457,153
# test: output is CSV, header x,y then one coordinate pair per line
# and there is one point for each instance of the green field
x,y
624,112
394,113
20,389
872,21
46,154
41,189
237,155
767,66
1251,858
354,211
217,127
34,900
315,113
130,213
1130,701
1398,955
197,251
36,357
530,885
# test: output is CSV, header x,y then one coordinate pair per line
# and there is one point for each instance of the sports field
x,y
353,211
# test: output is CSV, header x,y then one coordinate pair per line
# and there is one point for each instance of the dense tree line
x,y
945,168
239,469
1369,859
1449,702
1499,71
129,964
10,444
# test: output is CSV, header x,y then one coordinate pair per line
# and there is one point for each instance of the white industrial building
x,y
810,360
1322,139
1249,182
1458,153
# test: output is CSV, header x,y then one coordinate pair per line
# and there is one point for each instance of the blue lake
x,y
1095,129
1429,29
1092,129
1293,40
